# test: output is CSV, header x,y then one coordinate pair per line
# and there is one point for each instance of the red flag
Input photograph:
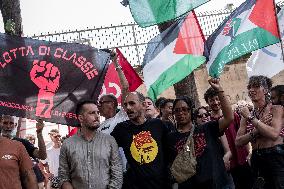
x,y
132,77
190,37
112,84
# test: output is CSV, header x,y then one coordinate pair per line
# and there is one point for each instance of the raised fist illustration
x,y
46,76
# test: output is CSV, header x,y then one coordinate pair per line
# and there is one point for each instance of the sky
x,y
42,16
57,15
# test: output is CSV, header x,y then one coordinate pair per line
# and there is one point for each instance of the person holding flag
x,y
210,168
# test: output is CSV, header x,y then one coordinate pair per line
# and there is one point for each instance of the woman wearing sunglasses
x,y
201,116
210,169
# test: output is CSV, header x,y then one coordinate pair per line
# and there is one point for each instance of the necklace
x,y
260,111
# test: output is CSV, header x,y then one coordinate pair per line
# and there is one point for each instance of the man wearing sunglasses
x,y
53,158
107,105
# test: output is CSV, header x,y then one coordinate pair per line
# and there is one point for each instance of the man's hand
x,y
245,112
215,84
227,161
267,119
39,126
113,56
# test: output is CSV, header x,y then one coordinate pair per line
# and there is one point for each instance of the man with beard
x,y
267,158
108,104
34,153
235,158
143,142
16,170
89,159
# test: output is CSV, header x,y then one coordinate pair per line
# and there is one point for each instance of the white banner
x,y
268,61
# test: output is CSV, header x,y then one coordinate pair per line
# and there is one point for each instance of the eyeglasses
x,y
183,109
56,136
9,123
203,115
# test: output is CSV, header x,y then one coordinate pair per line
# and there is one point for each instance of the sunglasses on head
x,y
105,101
203,115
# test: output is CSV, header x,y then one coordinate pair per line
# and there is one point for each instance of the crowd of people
x,y
234,147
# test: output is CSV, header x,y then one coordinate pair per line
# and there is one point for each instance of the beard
x,y
92,127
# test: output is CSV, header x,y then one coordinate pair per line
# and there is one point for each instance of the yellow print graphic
x,y
144,148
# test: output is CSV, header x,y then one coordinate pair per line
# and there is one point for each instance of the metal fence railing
x,y
130,38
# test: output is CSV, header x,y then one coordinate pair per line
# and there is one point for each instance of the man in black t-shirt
x,y
143,144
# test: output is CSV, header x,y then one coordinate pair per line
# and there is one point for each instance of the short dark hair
x,y
140,96
151,101
186,99
279,89
164,102
159,101
210,93
80,105
260,80
113,98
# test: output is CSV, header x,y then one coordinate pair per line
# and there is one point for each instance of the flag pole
x,y
281,44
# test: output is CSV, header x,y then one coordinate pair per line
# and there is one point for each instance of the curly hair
x,y
210,93
260,80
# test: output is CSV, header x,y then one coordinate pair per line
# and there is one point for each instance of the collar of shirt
x,y
81,135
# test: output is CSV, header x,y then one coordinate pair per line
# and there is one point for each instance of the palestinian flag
x,y
151,12
173,55
251,26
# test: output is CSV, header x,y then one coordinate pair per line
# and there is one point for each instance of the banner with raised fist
x,y
40,79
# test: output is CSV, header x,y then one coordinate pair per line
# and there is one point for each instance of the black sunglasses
x,y
202,115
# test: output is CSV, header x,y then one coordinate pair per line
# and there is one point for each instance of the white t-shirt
x,y
109,124
53,160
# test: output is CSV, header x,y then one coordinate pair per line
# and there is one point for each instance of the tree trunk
x,y
187,86
11,13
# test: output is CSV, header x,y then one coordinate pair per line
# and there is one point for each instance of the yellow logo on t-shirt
x,y
144,148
